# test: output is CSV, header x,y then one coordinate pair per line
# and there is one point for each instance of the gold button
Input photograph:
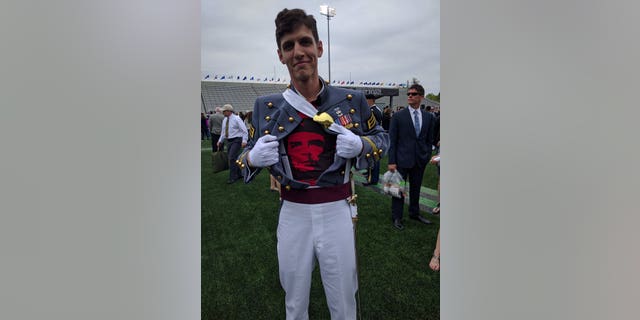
x,y
356,124
242,165
280,128
287,188
342,173
349,97
270,104
267,132
267,118
290,119
368,155
352,111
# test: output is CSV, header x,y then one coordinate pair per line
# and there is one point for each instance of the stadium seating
x,y
242,95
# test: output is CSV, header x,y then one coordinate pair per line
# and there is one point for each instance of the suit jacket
x,y
405,149
272,114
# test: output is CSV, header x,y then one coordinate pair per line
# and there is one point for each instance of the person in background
x,y
411,140
204,129
309,137
386,118
374,175
436,210
434,263
235,133
215,122
247,119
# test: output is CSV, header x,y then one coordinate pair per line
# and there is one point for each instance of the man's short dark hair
x,y
418,88
288,21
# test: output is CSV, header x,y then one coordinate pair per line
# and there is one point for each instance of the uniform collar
x,y
319,97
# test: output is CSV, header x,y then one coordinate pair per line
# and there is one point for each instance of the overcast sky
x,y
381,41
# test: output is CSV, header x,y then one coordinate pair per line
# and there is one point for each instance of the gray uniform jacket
x,y
272,114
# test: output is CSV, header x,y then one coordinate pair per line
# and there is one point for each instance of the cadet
x,y
310,137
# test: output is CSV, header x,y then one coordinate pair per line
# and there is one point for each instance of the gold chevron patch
x,y
252,131
371,122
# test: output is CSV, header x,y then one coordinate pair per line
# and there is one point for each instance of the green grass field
x,y
240,267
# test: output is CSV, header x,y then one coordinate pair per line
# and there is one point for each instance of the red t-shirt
x,y
311,150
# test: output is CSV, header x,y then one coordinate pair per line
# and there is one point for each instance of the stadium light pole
x,y
325,10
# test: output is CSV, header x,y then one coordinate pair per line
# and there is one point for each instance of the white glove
x,y
348,145
264,152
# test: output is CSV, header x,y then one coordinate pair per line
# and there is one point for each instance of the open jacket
x,y
272,114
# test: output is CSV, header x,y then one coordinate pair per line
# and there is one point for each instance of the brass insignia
x,y
252,132
371,122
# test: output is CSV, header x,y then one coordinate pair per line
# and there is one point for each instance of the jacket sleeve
x,y
431,136
253,134
393,139
375,141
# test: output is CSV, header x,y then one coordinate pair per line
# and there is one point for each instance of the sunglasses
x,y
413,94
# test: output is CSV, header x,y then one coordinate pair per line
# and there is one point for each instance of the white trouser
x,y
323,231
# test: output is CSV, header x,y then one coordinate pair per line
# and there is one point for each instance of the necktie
x,y
416,121
226,128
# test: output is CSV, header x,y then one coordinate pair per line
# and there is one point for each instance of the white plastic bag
x,y
393,184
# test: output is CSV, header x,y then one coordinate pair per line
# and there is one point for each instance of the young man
x,y
234,131
312,160
411,134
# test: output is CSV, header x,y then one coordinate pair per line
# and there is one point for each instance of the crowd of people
x,y
310,138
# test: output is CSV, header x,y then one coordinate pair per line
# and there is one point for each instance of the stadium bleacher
x,y
242,95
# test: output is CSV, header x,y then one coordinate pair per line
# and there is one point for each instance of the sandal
x,y
436,211
434,264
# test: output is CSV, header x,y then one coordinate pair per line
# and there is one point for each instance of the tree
x,y
434,97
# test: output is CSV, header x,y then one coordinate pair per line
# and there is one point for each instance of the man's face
x,y
414,98
300,52
226,113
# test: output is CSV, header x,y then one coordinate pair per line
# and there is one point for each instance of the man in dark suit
x,y
411,135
